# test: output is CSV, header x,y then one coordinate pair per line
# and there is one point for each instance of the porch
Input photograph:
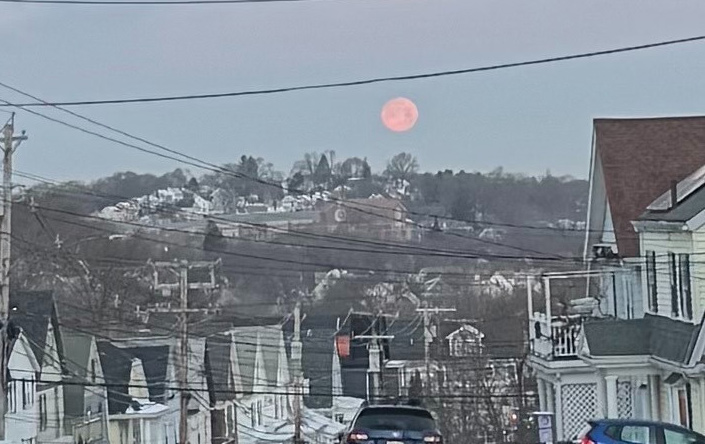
x,y
559,304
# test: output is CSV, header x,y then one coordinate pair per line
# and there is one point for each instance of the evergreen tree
x,y
322,174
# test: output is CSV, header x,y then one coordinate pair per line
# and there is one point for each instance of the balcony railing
x,y
90,430
557,339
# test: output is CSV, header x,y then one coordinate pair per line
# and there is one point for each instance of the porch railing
x,y
90,430
557,339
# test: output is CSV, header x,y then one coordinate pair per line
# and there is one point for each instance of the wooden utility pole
x,y
9,146
428,338
296,357
181,269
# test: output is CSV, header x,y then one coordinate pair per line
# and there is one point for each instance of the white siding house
x,y
22,411
630,343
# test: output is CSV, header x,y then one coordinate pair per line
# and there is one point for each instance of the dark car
x,y
633,431
392,424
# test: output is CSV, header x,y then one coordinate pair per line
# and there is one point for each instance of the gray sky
x,y
524,119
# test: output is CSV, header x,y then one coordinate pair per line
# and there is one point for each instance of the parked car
x,y
392,424
633,431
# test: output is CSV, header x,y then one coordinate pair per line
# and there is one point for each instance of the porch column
x,y
146,431
611,386
601,397
542,394
654,397
550,406
559,411
701,391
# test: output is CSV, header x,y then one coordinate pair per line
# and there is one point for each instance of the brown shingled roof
x,y
640,158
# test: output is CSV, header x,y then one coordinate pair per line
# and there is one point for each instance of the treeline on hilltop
x,y
496,197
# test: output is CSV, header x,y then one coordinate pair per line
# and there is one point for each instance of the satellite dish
x,y
340,215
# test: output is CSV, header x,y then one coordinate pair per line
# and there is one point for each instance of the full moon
x,y
399,114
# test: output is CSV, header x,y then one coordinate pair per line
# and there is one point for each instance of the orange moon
x,y
399,114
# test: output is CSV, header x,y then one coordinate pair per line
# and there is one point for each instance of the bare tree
x,y
401,167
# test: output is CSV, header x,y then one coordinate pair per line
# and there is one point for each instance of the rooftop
x,y
639,158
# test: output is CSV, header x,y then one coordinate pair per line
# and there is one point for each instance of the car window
x,y
678,437
395,419
613,431
637,434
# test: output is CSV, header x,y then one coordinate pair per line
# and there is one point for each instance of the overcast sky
x,y
524,119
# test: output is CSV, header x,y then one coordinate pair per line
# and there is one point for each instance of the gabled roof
x,y
77,353
218,367
639,158
77,350
656,336
270,341
33,311
117,363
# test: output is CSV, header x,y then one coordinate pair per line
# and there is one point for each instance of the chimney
x,y
674,193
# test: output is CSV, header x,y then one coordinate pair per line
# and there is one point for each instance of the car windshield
x,y
395,419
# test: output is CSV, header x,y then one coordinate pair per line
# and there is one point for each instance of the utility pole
x,y
181,269
428,338
296,355
375,356
374,371
9,146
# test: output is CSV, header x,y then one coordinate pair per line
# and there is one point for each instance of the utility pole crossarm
x,y
181,269
429,337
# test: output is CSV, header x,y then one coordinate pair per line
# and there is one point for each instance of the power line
x,y
152,2
194,161
354,82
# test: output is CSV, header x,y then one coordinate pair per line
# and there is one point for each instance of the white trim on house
x,y
567,366
588,228
696,222
699,347
659,226
615,362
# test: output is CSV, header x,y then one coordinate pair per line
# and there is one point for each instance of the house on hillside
x,y
263,225
86,396
248,372
224,387
22,417
35,313
379,217
630,343
144,404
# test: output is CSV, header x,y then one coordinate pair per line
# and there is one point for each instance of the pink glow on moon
x,y
399,114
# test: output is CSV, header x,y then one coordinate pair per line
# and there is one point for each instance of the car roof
x,y
395,406
642,422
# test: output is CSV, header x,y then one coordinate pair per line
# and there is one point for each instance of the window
x,y
681,291
57,419
636,434
25,395
12,400
43,412
230,421
673,268
683,397
92,370
124,431
136,432
651,281
678,437
684,290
